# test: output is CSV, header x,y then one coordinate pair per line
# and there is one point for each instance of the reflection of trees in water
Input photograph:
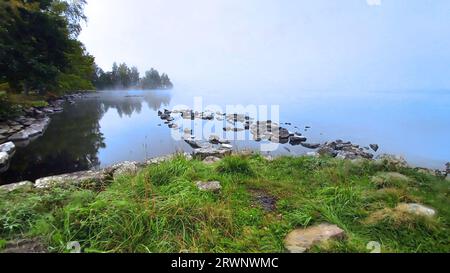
x,y
73,139
70,144
129,104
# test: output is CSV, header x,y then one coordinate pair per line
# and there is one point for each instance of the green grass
x,y
161,210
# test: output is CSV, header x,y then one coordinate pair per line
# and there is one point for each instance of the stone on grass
x,y
78,178
17,186
416,209
213,186
211,160
125,168
393,160
302,240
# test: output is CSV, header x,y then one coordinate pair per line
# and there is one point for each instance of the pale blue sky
x,y
314,44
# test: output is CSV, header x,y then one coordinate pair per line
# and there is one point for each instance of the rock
x,y
196,144
416,209
310,145
313,154
33,130
125,168
327,151
161,159
8,148
213,139
203,153
393,160
25,246
297,140
4,130
209,186
17,186
302,240
207,116
4,159
211,160
76,179
374,147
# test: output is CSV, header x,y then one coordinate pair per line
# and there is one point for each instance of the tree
x,y
38,46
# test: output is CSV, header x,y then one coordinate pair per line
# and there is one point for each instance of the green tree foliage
x,y
38,46
123,77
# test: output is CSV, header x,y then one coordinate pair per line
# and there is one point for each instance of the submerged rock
x,y
302,240
213,186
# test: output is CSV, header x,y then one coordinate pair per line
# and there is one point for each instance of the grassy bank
x,y
161,209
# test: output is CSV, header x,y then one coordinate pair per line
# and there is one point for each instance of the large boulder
x,y
78,178
302,240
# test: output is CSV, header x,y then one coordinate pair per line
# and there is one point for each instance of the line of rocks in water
x,y
21,130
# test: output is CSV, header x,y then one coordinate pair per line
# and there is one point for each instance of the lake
x,y
108,127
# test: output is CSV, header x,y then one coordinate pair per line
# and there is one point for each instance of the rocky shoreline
x,y
21,130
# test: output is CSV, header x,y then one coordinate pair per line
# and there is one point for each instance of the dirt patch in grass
x,y
25,246
265,200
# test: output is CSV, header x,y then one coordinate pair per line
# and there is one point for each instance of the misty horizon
x,y
316,45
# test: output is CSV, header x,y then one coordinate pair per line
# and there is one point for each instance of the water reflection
x,y
74,138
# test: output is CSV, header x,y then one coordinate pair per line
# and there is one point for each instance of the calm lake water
x,y
113,126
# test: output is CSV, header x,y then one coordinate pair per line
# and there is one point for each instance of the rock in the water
x,y
327,151
226,146
374,147
8,148
297,140
311,145
125,168
203,153
302,240
17,186
213,186
77,178
416,209
197,144
211,160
